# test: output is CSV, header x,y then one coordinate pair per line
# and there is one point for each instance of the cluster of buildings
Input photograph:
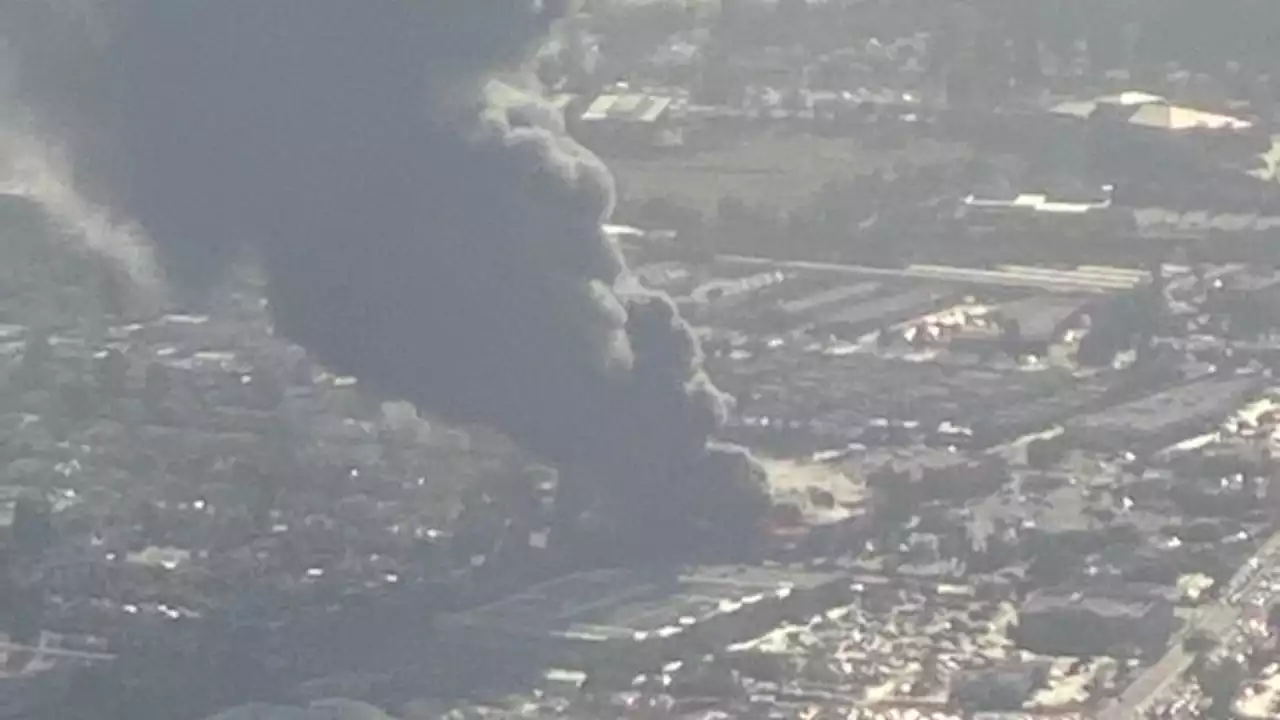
x,y
1018,407
972,522
184,471
843,128
987,455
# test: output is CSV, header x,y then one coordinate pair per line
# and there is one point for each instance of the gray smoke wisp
x,y
45,39
425,226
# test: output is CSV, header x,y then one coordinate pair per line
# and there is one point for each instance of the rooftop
x,y
624,604
1151,111
629,107
1041,601
1203,399
1035,202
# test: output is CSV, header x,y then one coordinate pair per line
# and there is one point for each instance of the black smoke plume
x,y
426,222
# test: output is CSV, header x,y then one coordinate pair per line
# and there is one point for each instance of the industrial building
x,y
937,474
1003,687
1164,418
1062,622
637,620
1098,230
1146,110
629,120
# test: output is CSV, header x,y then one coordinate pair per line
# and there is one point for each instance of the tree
x,y
668,213
633,29
1273,619
884,337
1011,337
32,530
156,387
1126,321
1199,642
931,670
1220,683
893,506
112,371
1044,453
264,496
267,388
76,401
1053,564
36,356
790,21
26,615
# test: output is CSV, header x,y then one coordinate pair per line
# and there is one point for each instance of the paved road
x,y
1216,621
6,647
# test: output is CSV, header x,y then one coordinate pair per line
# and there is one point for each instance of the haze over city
x,y
638,358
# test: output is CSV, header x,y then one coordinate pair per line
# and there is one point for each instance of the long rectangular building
x,y
1163,418
636,618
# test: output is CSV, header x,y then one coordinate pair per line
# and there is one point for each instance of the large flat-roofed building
x,y
1063,623
630,118
1002,687
627,108
1144,110
637,618
1200,211
1162,419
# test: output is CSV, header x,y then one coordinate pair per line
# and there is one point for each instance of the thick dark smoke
x,y
425,227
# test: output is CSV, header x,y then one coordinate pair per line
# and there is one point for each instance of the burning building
x,y
425,221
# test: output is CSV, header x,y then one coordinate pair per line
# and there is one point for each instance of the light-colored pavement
x,y
46,651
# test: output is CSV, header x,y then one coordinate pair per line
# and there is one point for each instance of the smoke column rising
x,y
425,226
32,164
34,170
